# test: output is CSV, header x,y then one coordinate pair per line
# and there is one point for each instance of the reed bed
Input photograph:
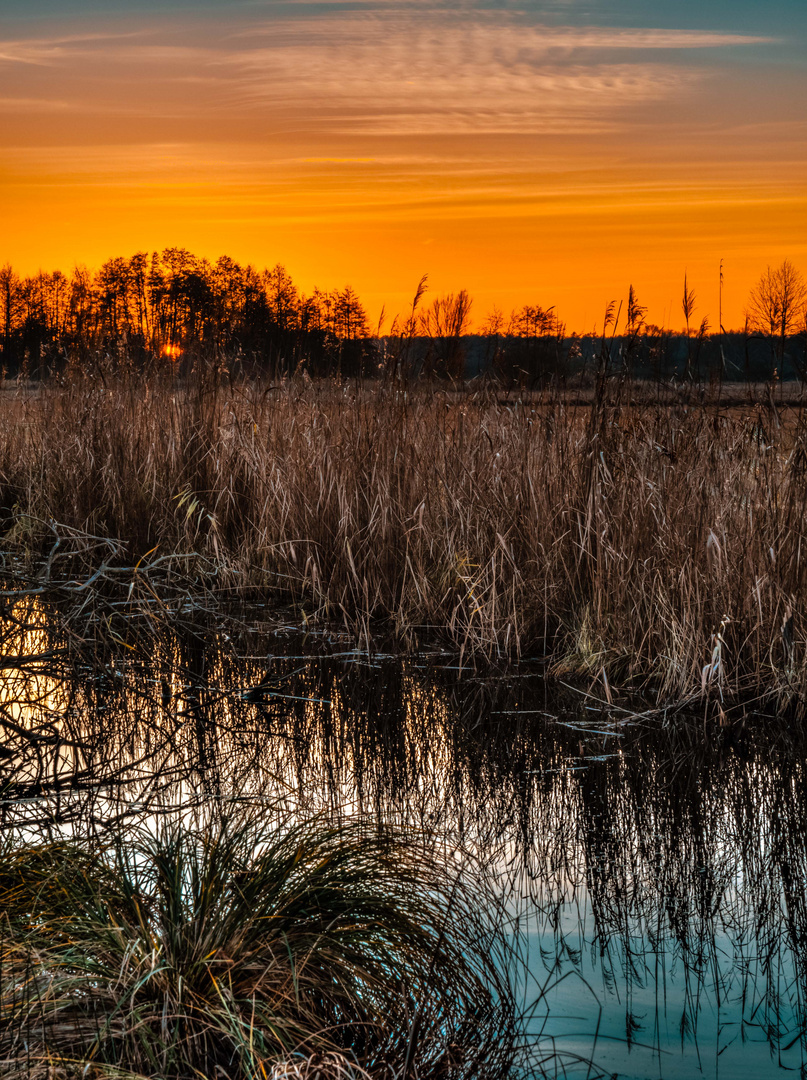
x,y
652,548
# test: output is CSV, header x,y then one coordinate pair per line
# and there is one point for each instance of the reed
x,y
656,548
246,951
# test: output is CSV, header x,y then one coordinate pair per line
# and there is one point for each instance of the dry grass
x,y
661,545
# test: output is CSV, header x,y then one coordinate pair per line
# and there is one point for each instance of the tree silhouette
x,y
171,306
777,306
445,322
9,307
532,342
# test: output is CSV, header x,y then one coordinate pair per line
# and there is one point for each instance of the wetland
x,y
647,877
490,708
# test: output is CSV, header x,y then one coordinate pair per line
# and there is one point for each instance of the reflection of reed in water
x,y
669,874
689,864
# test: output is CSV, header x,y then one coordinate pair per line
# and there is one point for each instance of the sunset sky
x,y
548,153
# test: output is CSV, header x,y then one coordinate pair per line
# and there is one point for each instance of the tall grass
x,y
244,951
652,547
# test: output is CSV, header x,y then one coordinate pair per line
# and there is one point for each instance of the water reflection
x,y
660,877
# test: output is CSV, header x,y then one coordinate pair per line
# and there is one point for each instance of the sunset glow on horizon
x,y
549,153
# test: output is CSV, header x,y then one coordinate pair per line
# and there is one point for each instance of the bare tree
x,y
445,321
282,297
9,305
350,318
777,305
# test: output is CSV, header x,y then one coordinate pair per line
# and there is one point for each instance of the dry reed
x,y
656,548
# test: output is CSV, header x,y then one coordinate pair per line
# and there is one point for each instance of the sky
x,y
549,153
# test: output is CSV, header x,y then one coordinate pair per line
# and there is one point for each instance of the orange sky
x,y
528,153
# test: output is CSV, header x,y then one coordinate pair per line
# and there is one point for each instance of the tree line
x,y
172,308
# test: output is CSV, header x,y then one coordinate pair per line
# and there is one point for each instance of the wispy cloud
x,y
344,86
594,37
29,52
406,75
539,36
378,69
36,105
47,51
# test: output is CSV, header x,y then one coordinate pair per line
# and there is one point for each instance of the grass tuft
x,y
250,953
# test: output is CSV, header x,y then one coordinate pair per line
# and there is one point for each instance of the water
x,y
657,874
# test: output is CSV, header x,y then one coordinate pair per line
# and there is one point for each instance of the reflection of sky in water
x,y
658,1002
661,889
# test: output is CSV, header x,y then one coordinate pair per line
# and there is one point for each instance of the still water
x,y
656,872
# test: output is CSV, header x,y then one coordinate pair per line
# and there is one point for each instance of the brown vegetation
x,y
658,546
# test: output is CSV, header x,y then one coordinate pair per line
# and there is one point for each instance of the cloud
x,y
35,105
44,52
404,75
375,69
27,52
345,23
593,37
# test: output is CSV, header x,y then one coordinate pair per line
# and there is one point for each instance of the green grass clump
x,y
246,952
